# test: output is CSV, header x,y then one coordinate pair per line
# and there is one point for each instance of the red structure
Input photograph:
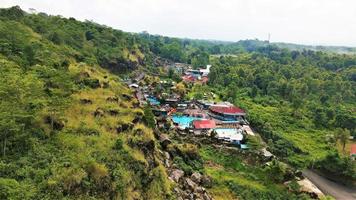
x,y
193,79
188,78
204,124
226,112
353,150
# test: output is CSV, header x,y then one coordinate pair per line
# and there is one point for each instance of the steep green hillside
x,y
74,140
69,128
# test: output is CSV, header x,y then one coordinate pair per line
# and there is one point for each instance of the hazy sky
x,y
326,22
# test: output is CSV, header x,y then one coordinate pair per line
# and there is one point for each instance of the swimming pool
x,y
183,121
153,101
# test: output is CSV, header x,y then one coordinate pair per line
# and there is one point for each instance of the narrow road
x,y
338,191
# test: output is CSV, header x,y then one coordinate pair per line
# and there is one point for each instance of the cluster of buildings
x,y
190,75
221,120
197,75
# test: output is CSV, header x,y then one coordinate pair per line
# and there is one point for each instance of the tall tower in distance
x,y
269,37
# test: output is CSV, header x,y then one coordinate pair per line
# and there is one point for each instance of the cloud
x,y
327,22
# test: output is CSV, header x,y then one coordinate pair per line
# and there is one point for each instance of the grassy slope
x,y
82,160
88,158
237,177
310,141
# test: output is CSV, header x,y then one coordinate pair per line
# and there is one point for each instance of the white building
x,y
232,135
206,71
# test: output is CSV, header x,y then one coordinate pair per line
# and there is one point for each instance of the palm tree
x,y
342,135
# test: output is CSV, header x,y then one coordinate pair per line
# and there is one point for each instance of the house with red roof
x,y
353,151
188,78
193,79
204,124
227,112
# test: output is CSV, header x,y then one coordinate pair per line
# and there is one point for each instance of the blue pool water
x,y
153,101
183,121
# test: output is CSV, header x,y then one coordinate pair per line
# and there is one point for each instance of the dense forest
x,y
70,128
299,104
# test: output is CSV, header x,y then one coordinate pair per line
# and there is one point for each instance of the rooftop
x,y
353,149
204,124
229,134
232,110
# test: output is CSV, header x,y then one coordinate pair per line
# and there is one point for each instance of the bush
x,y
276,171
159,187
83,129
343,167
97,171
118,144
149,117
188,151
92,83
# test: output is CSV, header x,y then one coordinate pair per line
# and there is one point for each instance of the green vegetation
x,y
233,175
296,101
70,129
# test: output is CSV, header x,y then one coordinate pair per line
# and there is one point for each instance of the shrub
x,y
92,83
71,179
159,187
97,171
118,144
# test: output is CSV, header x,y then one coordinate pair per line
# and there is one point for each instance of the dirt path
x,y
338,191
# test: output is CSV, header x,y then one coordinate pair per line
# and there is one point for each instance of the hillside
x,y
69,128
72,129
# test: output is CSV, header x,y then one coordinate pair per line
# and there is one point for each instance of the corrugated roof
x,y
353,149
204,124
227,109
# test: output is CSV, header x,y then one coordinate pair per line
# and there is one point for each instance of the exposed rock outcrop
x,y
176,175
196,177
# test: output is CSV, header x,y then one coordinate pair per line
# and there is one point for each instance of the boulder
x,y
149,145
166,154
189,184
206,196
200,189
177,174
196,177
166,163
178,192
197,196
306,186
164,140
